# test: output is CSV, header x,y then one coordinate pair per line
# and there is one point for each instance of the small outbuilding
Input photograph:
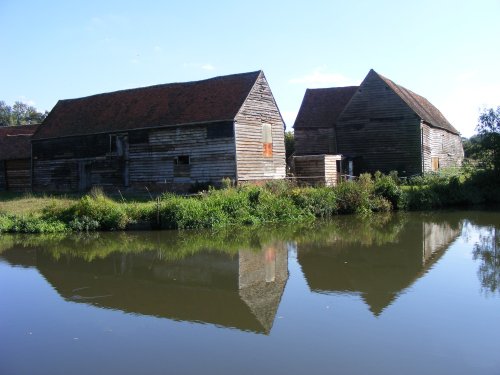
x,y
164,137
379,125
15,157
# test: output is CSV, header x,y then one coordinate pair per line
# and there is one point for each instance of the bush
x,y
99,208
354,197
386,186
421,198
30,224
321,202
6,223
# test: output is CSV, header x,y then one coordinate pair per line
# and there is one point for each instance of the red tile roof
x,y
421,106
15,141
322,107
210,100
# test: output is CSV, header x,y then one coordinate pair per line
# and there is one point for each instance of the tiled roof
x,y
15,141
214,99
322,107
422,107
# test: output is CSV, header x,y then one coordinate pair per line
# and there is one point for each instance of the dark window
x,y
139,136
220,130
181,160
182,167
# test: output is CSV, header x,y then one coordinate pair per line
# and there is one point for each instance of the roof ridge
x,y
164,85
418,104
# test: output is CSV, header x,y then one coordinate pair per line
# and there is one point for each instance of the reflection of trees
x,y
175,245
488,252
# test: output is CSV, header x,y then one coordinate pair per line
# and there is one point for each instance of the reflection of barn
x,y
242,291
379,272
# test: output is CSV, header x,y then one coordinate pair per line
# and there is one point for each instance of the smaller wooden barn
x,y
378,126
164,137
15,157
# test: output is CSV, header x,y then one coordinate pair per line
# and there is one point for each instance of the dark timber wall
x,y
315,141
380,129
259,110
3,181
167,158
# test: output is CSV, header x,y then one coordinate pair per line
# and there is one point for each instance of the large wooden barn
x,y
377,126
15,157
164,137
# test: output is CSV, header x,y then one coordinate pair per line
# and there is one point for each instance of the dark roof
x,y
210,100
422,107
322,107
15,141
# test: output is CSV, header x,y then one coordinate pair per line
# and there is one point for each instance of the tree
x,y
20,114
489,130
289,144
5,114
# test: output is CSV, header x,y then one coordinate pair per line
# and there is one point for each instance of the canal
x,y
412,293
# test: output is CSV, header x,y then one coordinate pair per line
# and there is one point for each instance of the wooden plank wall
x,y
441,144
153,161
3,180
314,141
18,174
380,128
317,169
136,159
259,108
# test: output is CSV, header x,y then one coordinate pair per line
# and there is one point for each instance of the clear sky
x,y
446,51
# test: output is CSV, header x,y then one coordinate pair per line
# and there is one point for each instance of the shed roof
x,y
209,100
15,141
420,105
321,107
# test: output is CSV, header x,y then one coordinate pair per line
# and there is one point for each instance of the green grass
x,y
247,205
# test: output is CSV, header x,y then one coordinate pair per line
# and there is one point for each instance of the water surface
x,y
406,293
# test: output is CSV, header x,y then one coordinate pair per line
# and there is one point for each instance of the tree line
x,y
484,147
20,114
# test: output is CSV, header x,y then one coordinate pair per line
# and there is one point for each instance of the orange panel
x,y
268,149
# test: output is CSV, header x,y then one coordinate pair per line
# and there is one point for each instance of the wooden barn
x,y
164,137
377,126
15,157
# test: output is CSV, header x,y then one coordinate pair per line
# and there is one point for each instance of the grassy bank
x,y
248,205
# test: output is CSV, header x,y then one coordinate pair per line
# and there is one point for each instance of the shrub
x,y
353,197
97,207
386,187
32,224
6,223
321,201
422,198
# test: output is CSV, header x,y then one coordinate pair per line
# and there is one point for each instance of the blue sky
x,y
447,51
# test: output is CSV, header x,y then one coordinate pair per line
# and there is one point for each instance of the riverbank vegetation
x,y
250,205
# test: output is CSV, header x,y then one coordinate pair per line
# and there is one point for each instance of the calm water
x,y
400,294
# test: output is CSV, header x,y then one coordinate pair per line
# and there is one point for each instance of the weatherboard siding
x,y
210,160
317,169
3,180
380,130
139,160
258,109
314,141
441,144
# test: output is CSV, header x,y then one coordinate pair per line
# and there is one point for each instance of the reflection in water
x,y
236,278
487,250
240,289
82,304
380,263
